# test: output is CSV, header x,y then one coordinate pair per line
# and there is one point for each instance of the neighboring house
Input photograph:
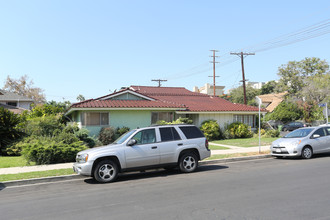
x,y
139,106
208,89
271,101
13,102
255,85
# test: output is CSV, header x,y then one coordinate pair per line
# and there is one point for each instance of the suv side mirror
x,y
131,142
316,136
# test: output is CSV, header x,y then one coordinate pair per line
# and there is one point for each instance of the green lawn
x,y
215,147
246,142
38,174
6,162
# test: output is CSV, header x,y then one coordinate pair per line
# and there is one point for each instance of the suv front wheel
x,y
188,162
106,171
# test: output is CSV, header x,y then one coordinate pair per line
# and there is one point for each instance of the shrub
x,y
45,150
272,133
121,131
43,126
9,131
178,121
238,130
107,135
211,129
183,121
83,135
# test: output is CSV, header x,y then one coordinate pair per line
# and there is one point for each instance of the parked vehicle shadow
x,y
315,156
2,186
156,173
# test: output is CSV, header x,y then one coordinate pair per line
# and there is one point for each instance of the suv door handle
x,y
155,147
180,144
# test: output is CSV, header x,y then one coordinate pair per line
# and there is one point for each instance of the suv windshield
x,y
123,138
299,133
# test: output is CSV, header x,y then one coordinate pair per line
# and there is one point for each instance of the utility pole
x,y
159,81
214,56
241,54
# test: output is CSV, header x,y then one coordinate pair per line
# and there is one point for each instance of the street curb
x,y
75,176
39,180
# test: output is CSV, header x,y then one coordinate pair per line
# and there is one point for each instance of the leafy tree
x,y
285,112
9,131
294,74
268,88
80,98
24,87
40,110
311,111
317,88
63,105
237,95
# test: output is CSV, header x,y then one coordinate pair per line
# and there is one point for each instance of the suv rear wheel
x,y
106,171
188,162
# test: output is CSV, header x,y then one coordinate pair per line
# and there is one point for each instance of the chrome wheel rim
x,y
106,172
189,163
307,153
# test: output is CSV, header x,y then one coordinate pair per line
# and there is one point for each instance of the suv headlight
x,y
82,158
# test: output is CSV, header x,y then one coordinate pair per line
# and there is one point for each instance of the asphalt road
x,y
259,189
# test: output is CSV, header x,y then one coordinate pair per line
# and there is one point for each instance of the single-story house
x,y
139,106
14,102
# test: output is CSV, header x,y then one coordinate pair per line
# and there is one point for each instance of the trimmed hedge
x,y
47,151
238,130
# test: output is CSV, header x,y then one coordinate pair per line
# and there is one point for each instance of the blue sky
x,y
95,47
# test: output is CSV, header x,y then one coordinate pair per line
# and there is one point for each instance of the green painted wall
x,y
120,118
131,119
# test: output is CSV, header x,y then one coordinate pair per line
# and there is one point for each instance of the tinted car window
x,y
169,134
191,132
176,135
320,132
145,137
327,130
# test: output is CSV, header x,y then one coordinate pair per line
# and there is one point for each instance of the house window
x,y
245,119
12,104
94,118
161,116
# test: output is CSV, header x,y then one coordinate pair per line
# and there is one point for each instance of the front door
x,y
145,152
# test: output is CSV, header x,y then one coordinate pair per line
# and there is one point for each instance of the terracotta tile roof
x,y
91,103
157,91
169,97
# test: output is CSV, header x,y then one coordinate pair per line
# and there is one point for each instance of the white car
x,y
303,142
145,148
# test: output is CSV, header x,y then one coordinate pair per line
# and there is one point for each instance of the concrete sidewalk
x,y
26,169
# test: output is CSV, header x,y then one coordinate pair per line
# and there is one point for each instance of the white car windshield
x,y
299,133
123,138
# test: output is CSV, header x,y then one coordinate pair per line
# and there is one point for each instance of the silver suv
x,y
166,146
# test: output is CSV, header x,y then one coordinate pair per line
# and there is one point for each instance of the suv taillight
x,y
207,144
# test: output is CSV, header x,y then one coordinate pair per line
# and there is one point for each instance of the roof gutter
x,y
122,109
